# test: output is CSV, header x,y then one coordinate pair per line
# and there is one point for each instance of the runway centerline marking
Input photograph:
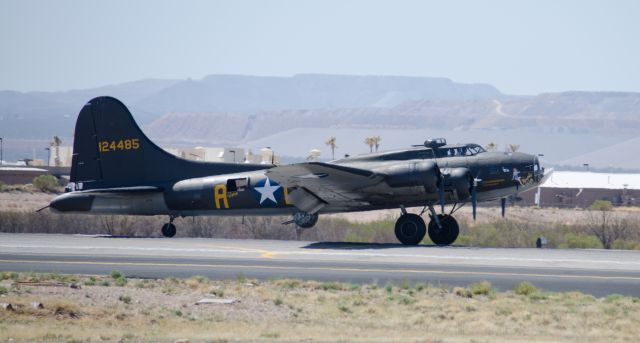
x,y
334,269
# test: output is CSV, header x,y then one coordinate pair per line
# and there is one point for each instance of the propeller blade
x,y
503,205
474,200
441,192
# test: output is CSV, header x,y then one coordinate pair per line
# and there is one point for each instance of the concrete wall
x,y
19,176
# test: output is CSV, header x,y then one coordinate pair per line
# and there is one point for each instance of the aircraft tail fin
x,y
110,150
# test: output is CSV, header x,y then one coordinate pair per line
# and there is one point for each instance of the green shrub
x,y
330,286
125,299
344,308
121,281
614,297
91,282
389,287
525,288
480,288
217,292
462,292
2,184
3,290
116,274
580,241
45,183
289,283
538,297
625,245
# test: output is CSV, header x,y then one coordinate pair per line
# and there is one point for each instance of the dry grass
x,y
295,310
23,198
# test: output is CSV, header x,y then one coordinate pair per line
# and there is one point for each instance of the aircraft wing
x,y
317,184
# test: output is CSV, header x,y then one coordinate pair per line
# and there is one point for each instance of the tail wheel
x,y
168,230
445,235
410,229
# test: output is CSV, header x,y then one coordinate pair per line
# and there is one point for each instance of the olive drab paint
x,y
117,169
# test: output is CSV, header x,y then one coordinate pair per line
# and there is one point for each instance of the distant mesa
x,y
226,110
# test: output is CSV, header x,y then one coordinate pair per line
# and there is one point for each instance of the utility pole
x,y
1,160
48,155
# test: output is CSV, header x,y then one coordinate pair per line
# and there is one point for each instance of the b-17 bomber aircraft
x,y
116,169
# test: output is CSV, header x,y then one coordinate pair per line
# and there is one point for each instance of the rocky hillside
x,y
246,110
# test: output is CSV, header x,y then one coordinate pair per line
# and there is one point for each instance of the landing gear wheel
x,y
410,229
305,220
168,230
445,235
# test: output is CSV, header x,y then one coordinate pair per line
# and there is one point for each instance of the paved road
x,y
596,272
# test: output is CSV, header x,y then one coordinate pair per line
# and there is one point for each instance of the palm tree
x,y
376,141
56,144
370,142
491,146
332,143
513,147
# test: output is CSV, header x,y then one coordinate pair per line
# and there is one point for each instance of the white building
x,y
61,155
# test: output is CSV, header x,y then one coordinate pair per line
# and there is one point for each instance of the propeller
x,y
441,191
474,196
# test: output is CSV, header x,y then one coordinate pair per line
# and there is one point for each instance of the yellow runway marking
x,y
263,253
268,254
333,269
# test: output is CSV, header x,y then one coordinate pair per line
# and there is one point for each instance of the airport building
x,y
209,154
580,189
60,156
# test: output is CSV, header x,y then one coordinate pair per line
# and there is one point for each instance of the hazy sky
x,y
521,47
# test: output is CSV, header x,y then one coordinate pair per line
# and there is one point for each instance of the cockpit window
x,y
474,149
467,150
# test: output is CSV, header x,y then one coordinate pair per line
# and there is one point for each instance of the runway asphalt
x,y
597,272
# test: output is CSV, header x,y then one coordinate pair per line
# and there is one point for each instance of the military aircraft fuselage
x,y
116,169
498,175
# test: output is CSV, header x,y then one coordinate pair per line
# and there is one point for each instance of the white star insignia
x,y
267,191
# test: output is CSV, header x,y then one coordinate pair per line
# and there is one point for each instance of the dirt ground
x,y
28,200
117,309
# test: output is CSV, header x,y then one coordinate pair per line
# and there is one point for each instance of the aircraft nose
x,y
522,157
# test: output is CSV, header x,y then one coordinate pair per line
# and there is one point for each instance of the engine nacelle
x,y
420,173
458,180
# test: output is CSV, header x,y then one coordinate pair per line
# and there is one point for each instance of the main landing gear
x,y
410,228
305,220
168,229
